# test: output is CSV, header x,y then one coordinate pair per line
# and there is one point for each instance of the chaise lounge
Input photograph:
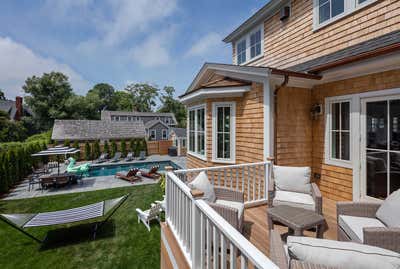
x,y
152,173
130,176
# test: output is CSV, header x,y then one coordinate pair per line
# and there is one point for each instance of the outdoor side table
x,y
296,219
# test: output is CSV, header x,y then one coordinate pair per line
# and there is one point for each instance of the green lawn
x,y
121,243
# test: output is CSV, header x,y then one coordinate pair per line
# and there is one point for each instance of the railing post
x,y
268,174
197,233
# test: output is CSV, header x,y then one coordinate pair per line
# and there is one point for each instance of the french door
x,y
380,134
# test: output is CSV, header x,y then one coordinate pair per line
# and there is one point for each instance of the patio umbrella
x,y
56,151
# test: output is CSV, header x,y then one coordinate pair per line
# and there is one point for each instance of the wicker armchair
x,y
230,205
279,256
384,237
315,193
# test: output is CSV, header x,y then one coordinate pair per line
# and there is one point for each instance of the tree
x,y
88,154
143,96
47,97
67,143
76,145
114,148
123,148
122,101
11,130
96,149
2,96
170,104
100,97
106,148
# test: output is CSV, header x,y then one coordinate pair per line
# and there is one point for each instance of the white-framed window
x,y
197,131
338,139
224,117
251,46
328,11
164,134
152,135
183,140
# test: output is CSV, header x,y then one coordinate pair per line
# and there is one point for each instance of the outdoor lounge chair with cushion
x,y
117,157
103,157
87,212
142,155
371,223
152,173
312,253
130,176
148,215
129,157
291,186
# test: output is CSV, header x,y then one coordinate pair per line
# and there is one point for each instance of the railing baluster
x,y
219,179
259,182
231,176
232,261
225,184
243,262
242,179
254,182
248,183
215,247
237,178
202,239
223,252
209,230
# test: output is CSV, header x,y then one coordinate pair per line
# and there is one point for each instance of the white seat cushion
x,y
202,183
388,212
295,179
295,199
338,254
353,226
239,206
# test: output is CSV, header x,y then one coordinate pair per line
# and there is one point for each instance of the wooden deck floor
x,y
257,231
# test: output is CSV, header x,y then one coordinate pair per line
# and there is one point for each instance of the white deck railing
x,y
207,239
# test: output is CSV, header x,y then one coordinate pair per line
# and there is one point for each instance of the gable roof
x,y
151,123
264,13
106,114
382,44
96,129
10,108
180,132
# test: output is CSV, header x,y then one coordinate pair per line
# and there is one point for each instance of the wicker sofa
x,y
313,196
230,205
380,235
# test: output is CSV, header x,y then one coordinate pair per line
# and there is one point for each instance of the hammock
x,y
97,210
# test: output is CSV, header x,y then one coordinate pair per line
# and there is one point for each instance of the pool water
x,y
112,169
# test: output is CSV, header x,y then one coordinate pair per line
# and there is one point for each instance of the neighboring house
x,y
15,109
157,130
90,130
178,136
311,86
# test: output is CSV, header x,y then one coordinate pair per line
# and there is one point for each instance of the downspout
x,y
284,83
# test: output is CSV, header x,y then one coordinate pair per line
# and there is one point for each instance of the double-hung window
x,y
255,44
241,51
250,46
224,132
327,11
152,135
338,147
197,131
164,134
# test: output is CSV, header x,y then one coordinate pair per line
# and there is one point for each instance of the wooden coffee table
x,y
296,219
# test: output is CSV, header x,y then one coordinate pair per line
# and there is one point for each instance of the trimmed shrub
x,y
132,145
88,153
114,148
67,143
96,149
123,148
77,155
106,148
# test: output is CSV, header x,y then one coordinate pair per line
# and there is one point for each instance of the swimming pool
x,y
112,169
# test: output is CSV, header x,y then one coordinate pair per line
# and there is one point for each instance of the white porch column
x,y
268,119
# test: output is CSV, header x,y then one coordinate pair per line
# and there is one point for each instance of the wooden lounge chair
x,y
151,214
129,157
152,173
103,157
130,176
116,157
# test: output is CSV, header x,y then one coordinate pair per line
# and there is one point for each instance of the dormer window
x,y
250,46
241,52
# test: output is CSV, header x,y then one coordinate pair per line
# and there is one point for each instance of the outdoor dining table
x,y
56,179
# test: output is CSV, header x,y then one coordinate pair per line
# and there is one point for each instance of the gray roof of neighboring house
x,y
151,123
107,114
9,107
386,40
180,132
96,129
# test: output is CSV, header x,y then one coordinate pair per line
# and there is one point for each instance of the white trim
x,y
232,159
215,93
195,154
268,128
328,126
349,8
248,47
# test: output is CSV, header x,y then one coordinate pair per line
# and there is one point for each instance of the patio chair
x,y
371,223
306,253
130,176
152,173
117,157
129,157
103,157
162,203
87,212
33,180
291,186
142,155
148,215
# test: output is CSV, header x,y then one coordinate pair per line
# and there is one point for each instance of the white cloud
x,y
19,62
154,51
133,17
207,43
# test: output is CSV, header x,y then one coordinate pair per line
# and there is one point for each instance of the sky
x,y
162,42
